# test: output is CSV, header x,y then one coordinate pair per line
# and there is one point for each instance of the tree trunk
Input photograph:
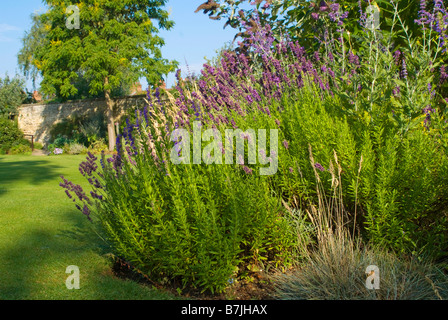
x,y
110,118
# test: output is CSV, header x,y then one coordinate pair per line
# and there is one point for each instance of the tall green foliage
x,y
198,225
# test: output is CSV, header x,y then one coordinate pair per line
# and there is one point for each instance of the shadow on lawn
x,y
34,172
34,267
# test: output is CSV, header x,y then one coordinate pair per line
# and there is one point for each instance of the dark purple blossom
x,y
404,71
353,59
247,169
76,189
318,166
428,110
443,74
88,167
96,196
86,212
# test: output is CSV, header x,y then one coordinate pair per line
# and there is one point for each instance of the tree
x,y
31,41
12,94
36,38
116,42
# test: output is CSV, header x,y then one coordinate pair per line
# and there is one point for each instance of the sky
x,y
193,37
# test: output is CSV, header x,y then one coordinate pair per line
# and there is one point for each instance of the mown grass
x,y
41,233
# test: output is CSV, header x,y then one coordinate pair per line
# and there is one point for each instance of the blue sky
x,y
194,36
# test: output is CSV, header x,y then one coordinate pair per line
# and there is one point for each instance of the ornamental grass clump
x,y
338,264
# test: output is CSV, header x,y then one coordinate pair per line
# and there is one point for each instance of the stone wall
x,y
38,119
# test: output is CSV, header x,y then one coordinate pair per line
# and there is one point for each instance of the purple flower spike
x,y
247,169
318,166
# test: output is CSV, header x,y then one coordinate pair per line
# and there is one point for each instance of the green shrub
x,y
51,147
93,129
20,149
98,146
4,149
12,95
336,271
74,149
22,141
9,133
38,146
198,225
399,189
61,141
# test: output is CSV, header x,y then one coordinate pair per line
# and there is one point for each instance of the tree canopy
x,y
106,42
12,94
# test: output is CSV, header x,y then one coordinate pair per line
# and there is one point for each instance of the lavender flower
x,y
404,71
247,169
318,166
86,211
443,74
353,58
96,196
397,56
88,167
428,110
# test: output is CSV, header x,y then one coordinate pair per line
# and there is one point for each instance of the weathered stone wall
x,y
38,119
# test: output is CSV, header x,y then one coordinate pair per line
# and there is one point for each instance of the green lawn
x,y
41,233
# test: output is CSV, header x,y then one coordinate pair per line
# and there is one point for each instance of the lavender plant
x,y
196,225
379,107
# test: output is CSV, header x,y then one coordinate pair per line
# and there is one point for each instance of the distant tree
x,y
116,43
32,40
12,94
36,38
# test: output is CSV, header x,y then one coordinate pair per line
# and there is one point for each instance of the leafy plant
x,y
12,94
20,149
9,133
75,148
93,129
188,223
